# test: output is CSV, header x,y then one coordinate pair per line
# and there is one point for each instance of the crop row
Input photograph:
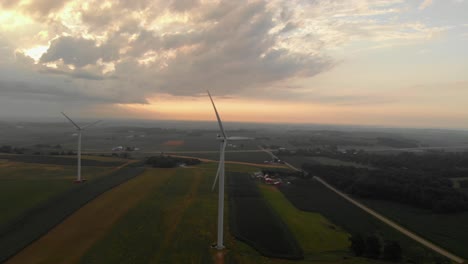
x,y
253,221
37,221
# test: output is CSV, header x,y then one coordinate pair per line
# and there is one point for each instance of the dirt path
x,y
394,225
68,241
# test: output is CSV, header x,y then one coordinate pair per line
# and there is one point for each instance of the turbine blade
x,y
69,119
216,178
220,164
92,124
217,116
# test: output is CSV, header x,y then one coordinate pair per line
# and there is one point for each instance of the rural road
x,y
179,152
382,218
393,224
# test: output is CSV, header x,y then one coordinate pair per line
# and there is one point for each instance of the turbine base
x,y
215,246
79,181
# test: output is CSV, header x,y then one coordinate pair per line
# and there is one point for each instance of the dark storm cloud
x,y
78,74
18,89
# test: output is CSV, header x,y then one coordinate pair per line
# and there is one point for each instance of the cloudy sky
x,y
369,62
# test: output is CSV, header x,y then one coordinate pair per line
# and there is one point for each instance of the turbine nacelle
x,y
78,128
78,153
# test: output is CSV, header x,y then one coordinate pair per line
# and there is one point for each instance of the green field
x,y
24,185
318,237
254,222
176,223
150,232
169,216
311,196
69,240
450,231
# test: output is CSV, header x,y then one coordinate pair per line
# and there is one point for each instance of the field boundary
x,y
34,223
241,194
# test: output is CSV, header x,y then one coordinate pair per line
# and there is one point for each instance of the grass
x,y
316,235
72,238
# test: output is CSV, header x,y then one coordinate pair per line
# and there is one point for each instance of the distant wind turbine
x,y
79,129
223,139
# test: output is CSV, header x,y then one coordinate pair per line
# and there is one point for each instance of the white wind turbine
x,y
223,138
79,129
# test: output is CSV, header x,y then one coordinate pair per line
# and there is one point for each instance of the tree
x,y
358,245
372,246
392,251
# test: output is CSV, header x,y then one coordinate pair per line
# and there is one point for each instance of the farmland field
x,y
448,231
69,240
317,236
309,195
24,185
64,160
158,219
254,222
37,220
161,216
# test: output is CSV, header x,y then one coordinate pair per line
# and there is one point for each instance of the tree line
x,y
413,187
437,163
373,246
164,161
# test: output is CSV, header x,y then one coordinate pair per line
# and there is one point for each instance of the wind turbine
x,y
79,129
223,139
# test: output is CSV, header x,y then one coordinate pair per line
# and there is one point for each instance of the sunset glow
x,y
391,62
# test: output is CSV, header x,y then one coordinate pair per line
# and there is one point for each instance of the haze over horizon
x,y
383,63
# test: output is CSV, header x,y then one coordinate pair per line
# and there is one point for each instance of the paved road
x,y
384,219
179,152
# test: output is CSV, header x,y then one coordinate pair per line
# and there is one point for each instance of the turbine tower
x,y
223,139
78,153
